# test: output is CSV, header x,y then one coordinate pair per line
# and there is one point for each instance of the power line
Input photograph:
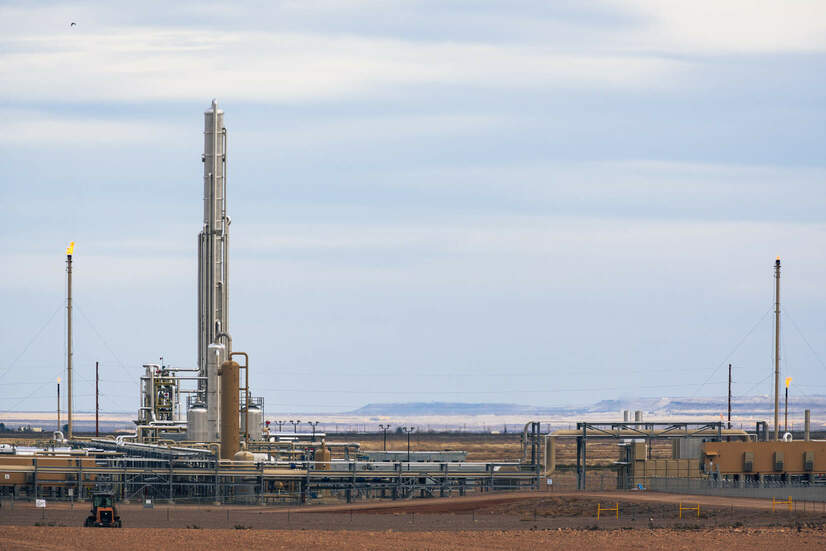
x,y
21,400
730,354
36,335
555,373
802,336
483,392
106,344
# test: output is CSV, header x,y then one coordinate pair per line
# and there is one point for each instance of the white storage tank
x,y
196,424
256,417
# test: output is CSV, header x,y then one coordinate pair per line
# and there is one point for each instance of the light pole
x,y
786,424
280,425
384,428
58,404
313,424
295,424
408,430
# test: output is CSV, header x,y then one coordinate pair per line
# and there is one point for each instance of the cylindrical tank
x,y
638,416
626,416
230,427
322,458
243,455
196,424
256,417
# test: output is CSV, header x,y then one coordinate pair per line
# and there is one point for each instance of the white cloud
x,y
730,26
161,64
31,127
110,57
589,255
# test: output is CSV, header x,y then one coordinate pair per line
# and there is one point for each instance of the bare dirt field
x,y
512,512
490,521
52,538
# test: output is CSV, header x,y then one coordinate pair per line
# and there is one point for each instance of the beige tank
x,y
322,458
230,402
243,455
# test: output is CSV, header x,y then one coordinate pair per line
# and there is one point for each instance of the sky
x,y
545,203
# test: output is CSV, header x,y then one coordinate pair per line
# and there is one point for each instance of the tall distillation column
x,y
213,272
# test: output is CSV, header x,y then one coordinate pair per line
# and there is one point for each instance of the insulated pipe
x,y
550,454
230,426
525,442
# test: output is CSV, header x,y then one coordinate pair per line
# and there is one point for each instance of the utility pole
x,y
58,404
97,400
384,428
729,395
408,430
69,251
777,348
786,424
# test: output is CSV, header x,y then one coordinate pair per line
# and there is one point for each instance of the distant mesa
x,y
707,406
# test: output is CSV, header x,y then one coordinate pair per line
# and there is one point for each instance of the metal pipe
x,y
525,442
225,222
777,349
196,378
569,433
228,338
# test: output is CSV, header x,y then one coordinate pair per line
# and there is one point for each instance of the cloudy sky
x,y
539,202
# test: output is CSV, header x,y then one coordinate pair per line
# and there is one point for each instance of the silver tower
x,y
213,272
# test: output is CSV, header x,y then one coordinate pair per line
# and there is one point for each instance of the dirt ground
x,y
140,539
487,512
491,521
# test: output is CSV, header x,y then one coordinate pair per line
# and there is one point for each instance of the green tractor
x,y
104,513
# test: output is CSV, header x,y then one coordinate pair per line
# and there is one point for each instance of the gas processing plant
x,y
200,435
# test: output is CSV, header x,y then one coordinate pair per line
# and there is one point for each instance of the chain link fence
x,y
728,488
